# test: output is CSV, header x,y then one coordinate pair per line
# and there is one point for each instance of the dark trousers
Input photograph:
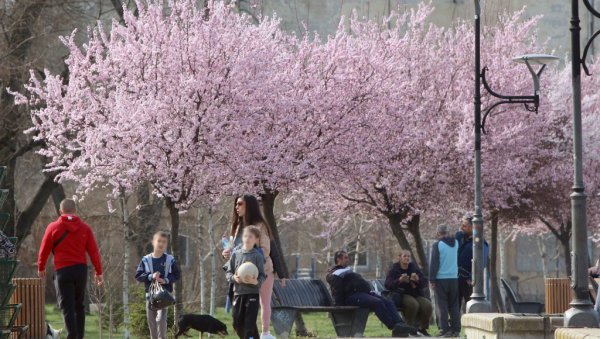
x,y
383,308
446,299
464,291
245,312
70,283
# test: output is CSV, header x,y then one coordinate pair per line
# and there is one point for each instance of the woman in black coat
x,y
406,283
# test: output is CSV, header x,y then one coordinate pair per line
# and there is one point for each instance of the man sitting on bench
x,y
351,289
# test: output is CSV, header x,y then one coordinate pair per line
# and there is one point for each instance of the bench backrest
x,y
377,285
510,292
301,293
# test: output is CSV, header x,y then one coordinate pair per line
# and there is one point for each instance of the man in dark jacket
x,y
351,289
443,272
465,259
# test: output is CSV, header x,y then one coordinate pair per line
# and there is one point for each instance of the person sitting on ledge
x,y
351,289
406,284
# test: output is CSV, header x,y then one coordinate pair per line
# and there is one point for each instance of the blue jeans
x,y
383,308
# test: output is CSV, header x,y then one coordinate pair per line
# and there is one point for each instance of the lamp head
x,y
537,59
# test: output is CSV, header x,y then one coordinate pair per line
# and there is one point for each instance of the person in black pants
x,y
70,284
465,259
246,288
443,273
69,239
351,289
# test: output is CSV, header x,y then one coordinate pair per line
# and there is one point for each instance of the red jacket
x,y
71,250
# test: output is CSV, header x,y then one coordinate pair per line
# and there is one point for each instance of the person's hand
x,y
42,274
404,278
282,282
161,281
432,284
156,276
246,280
226,253
469,282
414,277
237,279
99,280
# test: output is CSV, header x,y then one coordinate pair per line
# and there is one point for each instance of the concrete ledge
x,y
510,326
577,333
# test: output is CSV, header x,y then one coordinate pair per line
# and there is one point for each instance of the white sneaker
x,y
267,335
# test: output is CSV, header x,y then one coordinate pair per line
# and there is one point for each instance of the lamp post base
x,y
581,316
479,305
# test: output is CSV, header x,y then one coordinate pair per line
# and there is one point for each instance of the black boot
x,y
402,330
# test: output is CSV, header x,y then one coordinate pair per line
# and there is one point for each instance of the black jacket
x,y
392,282
343,283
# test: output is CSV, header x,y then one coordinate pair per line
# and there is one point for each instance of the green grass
x,y
317,323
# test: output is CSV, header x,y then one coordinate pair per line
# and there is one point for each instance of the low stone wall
x,y
577,333
510,326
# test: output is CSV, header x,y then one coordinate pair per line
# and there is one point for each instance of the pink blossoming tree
x,y
152,100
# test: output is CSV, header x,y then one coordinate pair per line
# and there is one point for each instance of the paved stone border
x,y
510,326
577,333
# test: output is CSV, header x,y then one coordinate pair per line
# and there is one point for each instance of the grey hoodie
x,y
238,257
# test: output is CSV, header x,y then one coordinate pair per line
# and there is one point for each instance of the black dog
x,y
200,323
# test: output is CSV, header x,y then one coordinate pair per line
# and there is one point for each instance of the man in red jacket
x,y
69,238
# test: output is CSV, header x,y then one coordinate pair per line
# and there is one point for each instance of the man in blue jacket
x,y
443,271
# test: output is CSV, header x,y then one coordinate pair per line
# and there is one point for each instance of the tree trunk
x,y
148,216
395,222
563,234
541,242
201,264
213,262
126,269
414,228
357,247
565,241
496,296
503,262
268,207
378,265
10,205
178,286
58,195
21,222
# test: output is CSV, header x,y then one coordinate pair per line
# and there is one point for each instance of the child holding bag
x,y
160,267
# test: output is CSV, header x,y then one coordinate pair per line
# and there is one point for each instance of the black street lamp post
x,y
478,302
581,313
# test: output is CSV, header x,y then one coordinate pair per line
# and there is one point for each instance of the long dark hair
x,y
253,216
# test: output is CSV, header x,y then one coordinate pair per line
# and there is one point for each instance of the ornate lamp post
x,y
581,313
478,302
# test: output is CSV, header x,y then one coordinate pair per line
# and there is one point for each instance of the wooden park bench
x,y
310,296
